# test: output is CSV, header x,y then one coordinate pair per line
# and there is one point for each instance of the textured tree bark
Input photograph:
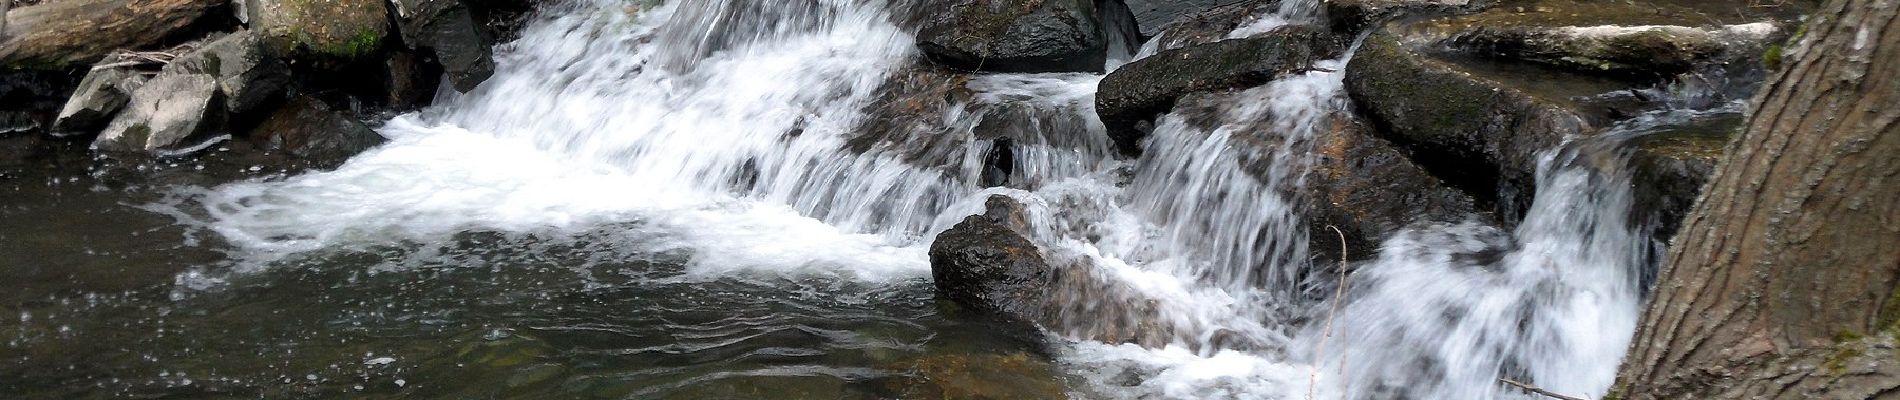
x,y
1783,283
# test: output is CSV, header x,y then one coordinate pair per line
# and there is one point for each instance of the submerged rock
x,y
327,32
100,96
450,31
1133,95
1018,375
165,116
309,130
72,33
1014,35
987,263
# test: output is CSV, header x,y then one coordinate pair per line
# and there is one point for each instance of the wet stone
x,y
1014,35
1146,88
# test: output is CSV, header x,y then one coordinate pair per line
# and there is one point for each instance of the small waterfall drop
x,y
733,130
1448,310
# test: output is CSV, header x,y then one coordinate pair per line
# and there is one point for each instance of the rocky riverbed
x,y
1258,148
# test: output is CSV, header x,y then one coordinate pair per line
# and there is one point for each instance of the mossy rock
x,y
327,32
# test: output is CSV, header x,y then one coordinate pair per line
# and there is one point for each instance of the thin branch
x,y
1339,295
1538,390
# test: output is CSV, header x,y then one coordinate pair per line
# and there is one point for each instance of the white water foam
x,y
604,114
720,128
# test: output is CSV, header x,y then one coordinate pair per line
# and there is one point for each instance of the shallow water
x,y
108,298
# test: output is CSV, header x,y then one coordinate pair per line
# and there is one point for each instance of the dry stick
x,y
1339,294
1538,390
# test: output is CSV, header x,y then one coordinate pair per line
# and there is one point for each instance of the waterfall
x,y
1448,310
735,131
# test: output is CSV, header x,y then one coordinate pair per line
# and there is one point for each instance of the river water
x,y
664,201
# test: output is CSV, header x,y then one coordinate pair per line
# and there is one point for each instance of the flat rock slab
x,y
1638,39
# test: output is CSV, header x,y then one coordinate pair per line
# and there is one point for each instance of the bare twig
x,y
1339,295
1538,390
126,58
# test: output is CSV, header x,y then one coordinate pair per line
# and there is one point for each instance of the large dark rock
x,y
168,115
451,32
309,130
73,33
100,96
1133,95
987,263
1014,35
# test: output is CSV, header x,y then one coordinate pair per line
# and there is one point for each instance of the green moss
x,y
364,42
1837,363
1845,336
1772,57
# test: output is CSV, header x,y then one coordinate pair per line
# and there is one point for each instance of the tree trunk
x,y
1785,281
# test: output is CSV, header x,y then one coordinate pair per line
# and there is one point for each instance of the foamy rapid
x,y
722,130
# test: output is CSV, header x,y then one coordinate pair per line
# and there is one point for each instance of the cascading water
x,y
728,129
1449,311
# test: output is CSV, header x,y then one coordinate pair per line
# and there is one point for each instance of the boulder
x,y
248,77
1014,35
449,31
1478,129
1134,94
1213,24
166,116
1152,15
100,96
309,130
73,33
987,263
325,32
